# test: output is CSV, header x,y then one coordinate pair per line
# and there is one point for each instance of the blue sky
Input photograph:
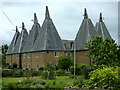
x,y
67,17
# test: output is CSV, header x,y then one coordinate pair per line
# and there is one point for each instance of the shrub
x,y
73,77
49,72
14,65
106,77
65,62
19,73
7,73
35,73
41,69
81,69
60,72
77,70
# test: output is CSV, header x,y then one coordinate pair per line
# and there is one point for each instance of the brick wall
x,y
35,60
81,57
39,59
8,59
12,58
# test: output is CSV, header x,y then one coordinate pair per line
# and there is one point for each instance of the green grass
x,y
59,82
7,80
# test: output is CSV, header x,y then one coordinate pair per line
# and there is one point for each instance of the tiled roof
x,y
85,33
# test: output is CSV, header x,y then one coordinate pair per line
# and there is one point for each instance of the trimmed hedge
x,y
19,73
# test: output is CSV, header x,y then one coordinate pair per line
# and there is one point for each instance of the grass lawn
x,y
7,80
59,82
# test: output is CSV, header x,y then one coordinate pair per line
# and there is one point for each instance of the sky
x,y
66,16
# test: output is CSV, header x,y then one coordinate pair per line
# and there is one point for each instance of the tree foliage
x,y
65,62
103,51
4,50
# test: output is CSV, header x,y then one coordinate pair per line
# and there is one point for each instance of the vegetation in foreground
x,y
105,73
103,77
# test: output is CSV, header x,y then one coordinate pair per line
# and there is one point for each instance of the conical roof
x,y
102,29
85,33
13,43
48,39
21,40
35,30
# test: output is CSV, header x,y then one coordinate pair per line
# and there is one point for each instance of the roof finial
x,y
35,18
47,15
101,18
16,29
23,26
85,14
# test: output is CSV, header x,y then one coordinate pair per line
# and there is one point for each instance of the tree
x,y
118,54
65,62
4,50
103,52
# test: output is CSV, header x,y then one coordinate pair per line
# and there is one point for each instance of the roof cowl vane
x,y
101,18
47,15
85,14
17,29
35,18
23,26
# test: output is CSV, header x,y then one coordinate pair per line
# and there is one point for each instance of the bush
x,y
19,73
106,77
65,62
7,73
41,69
35,73
14,65
77,70
60,72
49,72
81,69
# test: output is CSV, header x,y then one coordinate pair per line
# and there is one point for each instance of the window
x,y
37,55
23,55
56,54
29,67
17,56
13,57
24,67
68,54
28,55
37,67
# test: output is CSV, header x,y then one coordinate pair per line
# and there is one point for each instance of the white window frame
x,y
24,55
28,55
24,66
36,56
37,67
56,54
29,66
